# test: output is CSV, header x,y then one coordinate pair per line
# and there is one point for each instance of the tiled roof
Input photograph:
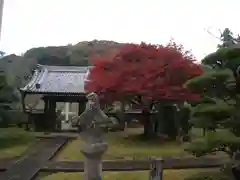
x,y
57,79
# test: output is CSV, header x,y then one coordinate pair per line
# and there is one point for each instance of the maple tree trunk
x,y
159,126
121,117
149,130
171,129
160,122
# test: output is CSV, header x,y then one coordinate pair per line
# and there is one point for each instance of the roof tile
x,y
57,79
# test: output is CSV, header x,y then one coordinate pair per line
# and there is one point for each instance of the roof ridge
x,y
82,69
56,66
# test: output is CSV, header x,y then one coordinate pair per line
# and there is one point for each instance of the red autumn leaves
x,y
150,71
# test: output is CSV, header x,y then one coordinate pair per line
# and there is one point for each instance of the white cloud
x,y
32,23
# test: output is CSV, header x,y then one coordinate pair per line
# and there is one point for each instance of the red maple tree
x,y
152,72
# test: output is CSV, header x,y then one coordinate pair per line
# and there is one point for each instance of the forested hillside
x,y
79,54
19,68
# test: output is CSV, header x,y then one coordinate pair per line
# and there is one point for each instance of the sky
x,y
33,23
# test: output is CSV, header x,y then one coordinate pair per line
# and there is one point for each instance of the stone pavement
x,y
28,165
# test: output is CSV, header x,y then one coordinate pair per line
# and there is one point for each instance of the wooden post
x,y
23,95
45,121
46,105
58,120
156,170
52,115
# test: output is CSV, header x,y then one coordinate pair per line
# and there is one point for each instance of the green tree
x,y
52,55
10,104
218,112
11,78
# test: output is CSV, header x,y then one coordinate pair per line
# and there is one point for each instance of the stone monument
x,y
94,146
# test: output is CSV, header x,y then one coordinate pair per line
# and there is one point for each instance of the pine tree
x,y
218,112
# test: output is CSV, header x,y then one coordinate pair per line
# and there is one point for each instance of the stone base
x,y
93,160
96,149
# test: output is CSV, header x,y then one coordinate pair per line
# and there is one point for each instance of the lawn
x,y
125,145
14,141
130,145
137,175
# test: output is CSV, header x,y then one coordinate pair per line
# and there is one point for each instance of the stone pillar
x,y
94,145
93,160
